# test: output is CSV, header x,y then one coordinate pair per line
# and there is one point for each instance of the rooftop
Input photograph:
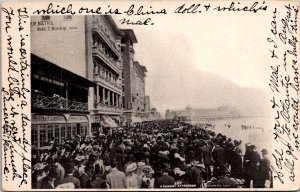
x,y
129,33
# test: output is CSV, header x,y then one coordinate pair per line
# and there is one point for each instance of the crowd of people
x,y
247,127
155,154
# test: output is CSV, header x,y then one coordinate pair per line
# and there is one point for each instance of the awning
x,y
137,119
108,121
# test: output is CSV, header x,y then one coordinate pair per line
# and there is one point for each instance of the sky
x,y
177,50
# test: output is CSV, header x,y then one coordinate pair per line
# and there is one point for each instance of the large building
x,y
76,76
104,57
84,77
203,114
134,101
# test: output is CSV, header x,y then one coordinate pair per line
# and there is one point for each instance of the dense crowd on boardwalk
x,y
156,154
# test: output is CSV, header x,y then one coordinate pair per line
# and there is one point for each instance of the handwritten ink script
x,y
284,85
148,11
16,97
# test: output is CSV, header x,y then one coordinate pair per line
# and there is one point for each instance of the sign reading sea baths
x,y
49,25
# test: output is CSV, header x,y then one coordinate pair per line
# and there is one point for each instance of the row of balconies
x,y
114,64
98,77
106,37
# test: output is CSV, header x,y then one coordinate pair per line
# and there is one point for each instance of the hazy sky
x,y
177,50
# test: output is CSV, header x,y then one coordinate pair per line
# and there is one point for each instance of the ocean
x,y
259,135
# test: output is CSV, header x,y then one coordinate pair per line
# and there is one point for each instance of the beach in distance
x,y
253,130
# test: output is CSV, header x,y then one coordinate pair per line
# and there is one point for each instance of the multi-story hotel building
x,y
104,56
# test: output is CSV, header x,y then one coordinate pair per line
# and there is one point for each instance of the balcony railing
x,y
105,36
57,102
98,77
106,107
112,63
76,105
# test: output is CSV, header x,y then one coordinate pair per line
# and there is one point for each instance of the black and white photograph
x,y
184,96
97,124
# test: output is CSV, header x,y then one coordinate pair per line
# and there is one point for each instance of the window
x,y
83,129
67,17
45,17
69,131
50,133
56,132
43,135
63,132
74,130
34,135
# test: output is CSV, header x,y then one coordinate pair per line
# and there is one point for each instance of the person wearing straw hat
x,y
68,185
147,179
83,176
132,180
39,174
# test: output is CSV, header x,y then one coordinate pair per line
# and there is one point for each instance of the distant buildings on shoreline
x,y
84,77
191,114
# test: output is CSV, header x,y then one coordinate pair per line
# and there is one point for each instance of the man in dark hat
x,y
193,174
264,170
165,180
251,172
69,176
66,156
48,182
97,182
59,170
207,160
224,180
218,155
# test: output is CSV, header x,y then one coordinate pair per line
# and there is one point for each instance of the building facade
x,y
87,50
59,103
59,79
104,57
134,101
154,115
93,79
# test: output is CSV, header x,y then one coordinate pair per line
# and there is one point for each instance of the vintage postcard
x,y
150,95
